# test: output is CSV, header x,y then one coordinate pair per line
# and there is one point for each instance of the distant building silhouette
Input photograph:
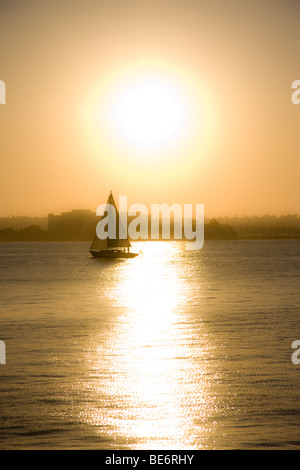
x,y
289,220
79,224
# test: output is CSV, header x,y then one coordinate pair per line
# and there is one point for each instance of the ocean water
x,y
174,349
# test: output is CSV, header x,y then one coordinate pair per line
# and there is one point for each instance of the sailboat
x,y
112,247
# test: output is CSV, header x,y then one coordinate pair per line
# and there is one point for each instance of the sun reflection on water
x,y
149,374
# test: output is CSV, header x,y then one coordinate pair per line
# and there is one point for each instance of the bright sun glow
x,y
150,114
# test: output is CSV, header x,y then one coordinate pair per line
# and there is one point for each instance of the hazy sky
x,y
228,67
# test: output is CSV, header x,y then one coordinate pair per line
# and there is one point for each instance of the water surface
x,y
171,350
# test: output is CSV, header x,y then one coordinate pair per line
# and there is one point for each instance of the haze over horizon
x,y
162,101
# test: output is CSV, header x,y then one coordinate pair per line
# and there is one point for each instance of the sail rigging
x,y
117,242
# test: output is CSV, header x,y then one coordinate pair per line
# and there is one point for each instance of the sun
x,y
149,114
144,113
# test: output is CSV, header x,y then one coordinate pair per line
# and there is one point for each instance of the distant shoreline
x,y
213,230
74,240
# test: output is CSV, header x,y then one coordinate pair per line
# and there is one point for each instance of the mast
x,y
116,242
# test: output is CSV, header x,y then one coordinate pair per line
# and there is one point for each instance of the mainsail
x,y
98,244
108,243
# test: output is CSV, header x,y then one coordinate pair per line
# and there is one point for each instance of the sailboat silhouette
x,y
112,247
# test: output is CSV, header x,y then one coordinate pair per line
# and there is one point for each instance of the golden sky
x,y
214,78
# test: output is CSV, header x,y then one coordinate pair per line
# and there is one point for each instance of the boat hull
x,y
112,254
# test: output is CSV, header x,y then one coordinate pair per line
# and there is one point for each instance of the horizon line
x,y
11,216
